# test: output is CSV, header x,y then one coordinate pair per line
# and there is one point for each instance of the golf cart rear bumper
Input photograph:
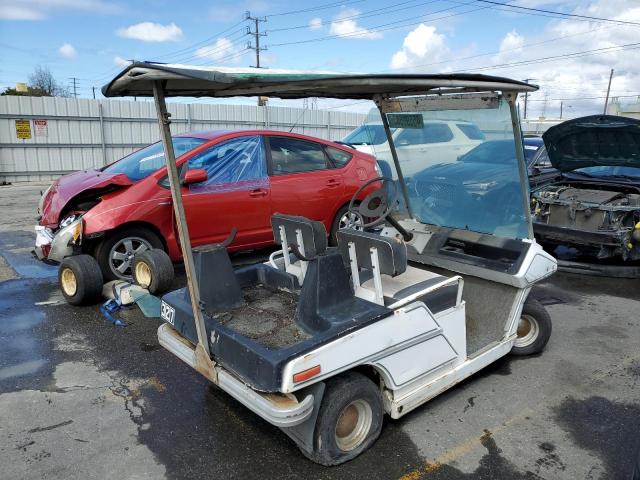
x,y
279,410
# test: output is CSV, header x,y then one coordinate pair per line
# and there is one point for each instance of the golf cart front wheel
x,y
534,329
80,280
153,270
349,420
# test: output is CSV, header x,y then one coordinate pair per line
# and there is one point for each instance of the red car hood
x,y
70,186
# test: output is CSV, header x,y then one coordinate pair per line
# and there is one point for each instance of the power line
x,y
379,28
553,58
582,98
568,15
319,7
521,47
361,15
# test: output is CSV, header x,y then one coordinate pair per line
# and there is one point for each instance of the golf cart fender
x,y
303,433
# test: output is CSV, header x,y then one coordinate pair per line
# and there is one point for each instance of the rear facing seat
x,y
380,273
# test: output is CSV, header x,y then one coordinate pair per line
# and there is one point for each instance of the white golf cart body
x,y
430,310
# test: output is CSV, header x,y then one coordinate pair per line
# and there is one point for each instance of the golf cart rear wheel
x,y
349,420
534,329
80,280
153,270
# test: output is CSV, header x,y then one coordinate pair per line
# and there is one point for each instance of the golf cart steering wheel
x,y
378,204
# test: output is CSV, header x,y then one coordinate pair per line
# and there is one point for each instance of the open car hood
x,y
596,140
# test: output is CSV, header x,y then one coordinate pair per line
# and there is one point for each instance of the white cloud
x,y
315,23
121,62
223,50
41,9
152,32
343,25
510,46
68,51
421,45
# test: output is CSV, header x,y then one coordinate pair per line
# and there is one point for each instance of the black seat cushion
x,y
314,235
392,252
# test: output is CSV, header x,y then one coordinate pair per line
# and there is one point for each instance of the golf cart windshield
x,y
453,179
369,134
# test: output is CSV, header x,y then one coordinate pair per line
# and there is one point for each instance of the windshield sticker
x,y
405,120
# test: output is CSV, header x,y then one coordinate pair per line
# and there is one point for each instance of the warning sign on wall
x,y
23,129
41,128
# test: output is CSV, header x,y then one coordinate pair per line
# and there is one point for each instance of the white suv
x,y
442,141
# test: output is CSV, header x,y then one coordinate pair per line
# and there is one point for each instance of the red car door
x,y
236,194
302,179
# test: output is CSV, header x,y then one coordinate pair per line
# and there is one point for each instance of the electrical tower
x,y
256,35
74,85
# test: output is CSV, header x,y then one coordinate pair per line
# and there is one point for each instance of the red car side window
x,y
290,155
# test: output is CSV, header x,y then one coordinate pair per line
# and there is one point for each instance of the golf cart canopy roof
x,y
192,81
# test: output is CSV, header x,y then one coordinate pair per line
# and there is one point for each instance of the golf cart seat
x,y
307,238
380,273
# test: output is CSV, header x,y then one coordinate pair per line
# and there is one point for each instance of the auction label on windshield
x,y
405,120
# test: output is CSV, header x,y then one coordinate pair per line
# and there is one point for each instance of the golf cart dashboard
x,y
462,250
493,253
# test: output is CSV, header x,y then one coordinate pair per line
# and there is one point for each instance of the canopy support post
x,y
203,357
394,155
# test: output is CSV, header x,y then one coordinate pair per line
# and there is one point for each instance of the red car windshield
x,y
144,162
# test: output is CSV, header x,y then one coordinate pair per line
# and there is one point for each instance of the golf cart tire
x,y
536,312
341,392
153,270
80,280
103,250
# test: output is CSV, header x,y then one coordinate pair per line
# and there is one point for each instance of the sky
x,y
569,57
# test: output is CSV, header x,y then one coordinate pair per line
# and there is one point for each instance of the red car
x,y
230,179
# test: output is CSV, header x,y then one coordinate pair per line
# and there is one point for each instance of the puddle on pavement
x,y
21,352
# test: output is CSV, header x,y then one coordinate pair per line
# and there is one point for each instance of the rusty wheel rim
x,y
527,332
68,282
353,425
143,274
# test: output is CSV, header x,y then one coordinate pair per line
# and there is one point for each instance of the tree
x,y
42,80
41,84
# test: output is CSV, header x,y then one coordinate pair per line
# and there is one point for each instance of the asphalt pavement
x,y
82,398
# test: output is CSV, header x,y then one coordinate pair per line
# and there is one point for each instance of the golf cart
x,y
322,342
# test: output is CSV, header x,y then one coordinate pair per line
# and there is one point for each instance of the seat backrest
x,y
312,233
392,252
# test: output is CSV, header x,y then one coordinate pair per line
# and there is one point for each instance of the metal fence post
x,y
328,124
102,141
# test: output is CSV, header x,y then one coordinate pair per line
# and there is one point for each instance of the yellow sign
x,y
23,129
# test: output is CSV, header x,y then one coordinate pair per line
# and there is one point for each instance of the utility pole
x,y
74,81
526,97
561,102
93,89
256,35
606,100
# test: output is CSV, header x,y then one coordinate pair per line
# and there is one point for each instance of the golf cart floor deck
x,y
267,318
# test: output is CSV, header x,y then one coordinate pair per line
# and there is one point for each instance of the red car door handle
x,y
258,192
332,182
